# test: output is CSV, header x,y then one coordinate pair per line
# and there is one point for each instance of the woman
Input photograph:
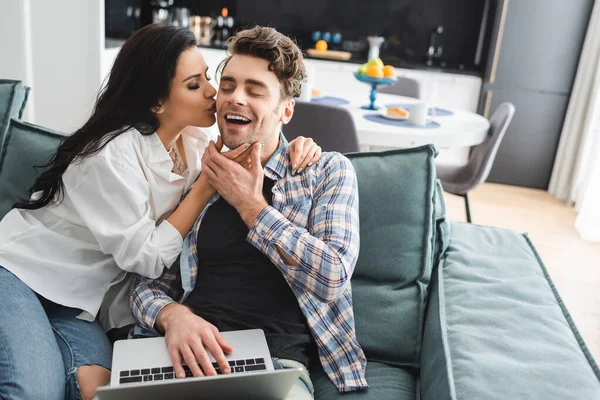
x,y
107,205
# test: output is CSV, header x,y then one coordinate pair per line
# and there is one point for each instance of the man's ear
x,y
288,110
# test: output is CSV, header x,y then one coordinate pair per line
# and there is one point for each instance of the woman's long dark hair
x,y
139,80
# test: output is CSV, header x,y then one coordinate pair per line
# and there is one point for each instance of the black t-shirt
x,y
238,287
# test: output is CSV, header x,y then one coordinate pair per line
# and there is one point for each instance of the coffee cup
x,y
418,114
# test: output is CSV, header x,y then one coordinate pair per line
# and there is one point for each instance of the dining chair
x,y
461,180
403,87
331,127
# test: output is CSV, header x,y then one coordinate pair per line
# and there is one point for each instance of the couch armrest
x,y
496,327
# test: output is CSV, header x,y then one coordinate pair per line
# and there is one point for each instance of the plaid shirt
x,y
314,219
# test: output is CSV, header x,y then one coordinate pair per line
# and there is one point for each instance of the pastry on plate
x,y
397,112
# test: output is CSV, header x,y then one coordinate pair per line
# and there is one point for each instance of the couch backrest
x,y
13,97
399,246
26,146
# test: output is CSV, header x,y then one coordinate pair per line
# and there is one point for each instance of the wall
x,y
55,48
15,45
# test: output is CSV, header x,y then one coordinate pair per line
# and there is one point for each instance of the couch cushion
x,y
389,286
496,327
385,382
13,97
25,146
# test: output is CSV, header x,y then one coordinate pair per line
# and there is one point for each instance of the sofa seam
x,y
25,98
6,122
4,144
445,341
428,254
566,314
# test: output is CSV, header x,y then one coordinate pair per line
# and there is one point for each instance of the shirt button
x,y
324,208
260,241
263,232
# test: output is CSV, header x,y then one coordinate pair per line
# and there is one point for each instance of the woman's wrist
x,y
202,186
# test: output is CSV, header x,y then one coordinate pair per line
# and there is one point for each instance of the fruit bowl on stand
x,y
374,82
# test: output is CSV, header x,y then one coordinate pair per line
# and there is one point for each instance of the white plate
x,y
383,113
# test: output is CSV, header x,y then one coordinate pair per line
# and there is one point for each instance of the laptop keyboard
x,y
165,373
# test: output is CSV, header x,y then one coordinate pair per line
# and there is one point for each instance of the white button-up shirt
x,y
112,220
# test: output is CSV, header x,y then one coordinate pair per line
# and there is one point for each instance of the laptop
x,y
142,369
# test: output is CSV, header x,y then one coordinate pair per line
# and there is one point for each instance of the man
x,y
273,249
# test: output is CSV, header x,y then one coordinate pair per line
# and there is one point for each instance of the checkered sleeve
x,y
327,251
148,297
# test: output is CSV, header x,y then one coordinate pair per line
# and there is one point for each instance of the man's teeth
x,y
238,118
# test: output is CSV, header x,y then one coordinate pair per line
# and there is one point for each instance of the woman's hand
x,y
303,152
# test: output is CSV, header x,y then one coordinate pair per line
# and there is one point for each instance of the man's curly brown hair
x,y
284,57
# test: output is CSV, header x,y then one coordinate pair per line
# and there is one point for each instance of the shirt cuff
x,y
171,243
270,226
151,314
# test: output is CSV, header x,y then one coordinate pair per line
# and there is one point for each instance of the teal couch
x,y
443,310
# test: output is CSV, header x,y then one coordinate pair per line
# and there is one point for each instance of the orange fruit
x,y
374,71
389,71
321,45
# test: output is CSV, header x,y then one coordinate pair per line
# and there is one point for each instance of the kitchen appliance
x,y
180,17
532,64
161,11
375,43
223,28
434,50
121,18
202,27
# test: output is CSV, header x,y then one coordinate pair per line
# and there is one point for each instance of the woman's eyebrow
x,y
192,76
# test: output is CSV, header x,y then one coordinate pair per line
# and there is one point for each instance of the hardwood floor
x,y
573,264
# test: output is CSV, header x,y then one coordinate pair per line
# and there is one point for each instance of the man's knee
x,y
90,378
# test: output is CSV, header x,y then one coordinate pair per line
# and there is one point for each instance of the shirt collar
x,y
277,166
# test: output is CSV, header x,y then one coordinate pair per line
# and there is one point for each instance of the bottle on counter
x,y
223,28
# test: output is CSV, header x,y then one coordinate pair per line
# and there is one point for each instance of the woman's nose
x,y
211,92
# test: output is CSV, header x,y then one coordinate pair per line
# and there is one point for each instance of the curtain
x,y
576,174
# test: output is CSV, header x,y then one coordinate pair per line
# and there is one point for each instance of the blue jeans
x,y
42,344
303,389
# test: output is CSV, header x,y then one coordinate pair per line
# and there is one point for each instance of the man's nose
x,y
238,97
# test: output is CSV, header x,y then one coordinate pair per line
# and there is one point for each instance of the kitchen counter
x,y
396,62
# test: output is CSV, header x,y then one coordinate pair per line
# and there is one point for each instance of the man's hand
x,y
242,155
239,186
187,335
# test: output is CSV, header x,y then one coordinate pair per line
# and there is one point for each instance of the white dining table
x,y
461,129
